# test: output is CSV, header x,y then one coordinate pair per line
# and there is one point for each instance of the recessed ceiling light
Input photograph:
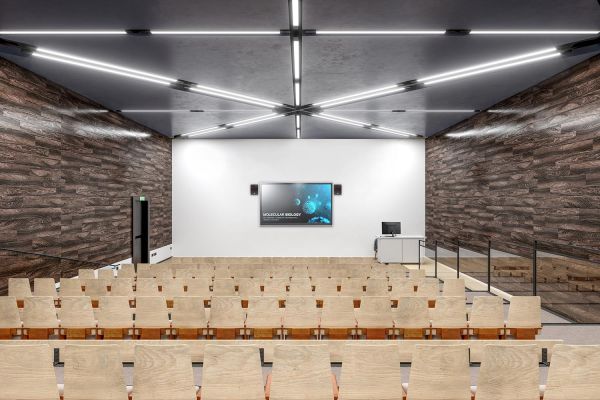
x,y
64,32
361,124
533,32
234,96
215,33
380,32
297,93
255,120
296,56
298,133
295,13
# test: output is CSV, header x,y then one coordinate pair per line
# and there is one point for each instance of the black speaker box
x,y
254,189
337,189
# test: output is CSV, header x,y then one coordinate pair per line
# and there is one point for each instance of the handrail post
x,y
489,267
436,251
534,266
419,244
457,258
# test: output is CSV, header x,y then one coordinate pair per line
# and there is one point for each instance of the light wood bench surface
x,y
574,373
27,372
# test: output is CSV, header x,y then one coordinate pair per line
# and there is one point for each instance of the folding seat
x,y
39,318
222,272
96,288
146,287
486,320
263,318
524,317
300,317
338,271
276,287
574,373
324,287
337,318
227,317
223,287
248,287
85,273
115,317
106,273
27,372
123,287
151,317
126,271
10,319
242,271
185,270
359,271
429,288
198,287
45,287
411,318
93,373
300,287
402,288
206,271
282,271
449,318
143,271
188,318
163,372
261,271
301,372
454,287
232,373
318,272
509,373
416,273
171,288
374,317
353,287
76,317
19,289
377,287
371,372
300,271
161,271
395,271
70,287
378,272
440,373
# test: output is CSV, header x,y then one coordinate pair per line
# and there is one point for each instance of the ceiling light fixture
x,y
295,13
236,124
234,96
381,32
298,135
360,96
296,56
526,32
65,32
297,118
366,125
215,33
297,94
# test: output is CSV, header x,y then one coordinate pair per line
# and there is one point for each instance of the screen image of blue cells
x,y
315,202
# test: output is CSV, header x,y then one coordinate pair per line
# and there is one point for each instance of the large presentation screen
x,y
296,203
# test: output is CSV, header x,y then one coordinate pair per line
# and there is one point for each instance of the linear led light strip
x,y
360,124
297,118
360,96
243,122
234,96
153,32
443,32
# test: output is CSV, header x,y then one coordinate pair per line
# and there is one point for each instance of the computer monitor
x,y
390,228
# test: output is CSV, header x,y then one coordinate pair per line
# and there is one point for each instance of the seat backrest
x,y
93,373
524,312
146,287
39,312
86,273
126,271
188,312
27,372
352,287
416,273
402,287
301,372
412,313
487,312
226,312
45,287
9,313
223,287
378,272
325,287
205,271
263,312
151,312
249,287
338,312
440,372
232,372
300,271
301,312
114,312
275,287
375,312
172,287
430,288
144,271
163,372
574,373
395,271
377,287
19,288
509,373
70,287
106,273
162,271
222,272
185,270
282,271
319,272
454,287
96,288
76,312
300,287
122,287
449,312
371,372
198,287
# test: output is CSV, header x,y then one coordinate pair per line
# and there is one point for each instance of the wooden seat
x,y
374,317
353,287
70,287
574,373
402,288
232,373
223,287
161,271
416,273
39,318
449,318
248,287
171,288
198,287
440,373
163,373
263,317
151,317
378,272
454,287
395,271
185,271
276,287
76,317
318,272
115,317
524,317
429,288
205,271
337,318
282,271
146,287
19,288
126,271
509,373
85,273
10,319
371,372
300,287
222,272
411,318
93,373
324,287
188,318
27,372
123,287
486,320
226,319
45,287
300,271
301,373
107,274
96,288
300,317
377,287
143,271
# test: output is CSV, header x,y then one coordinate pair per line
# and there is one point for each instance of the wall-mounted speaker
x,y
254,189
337,189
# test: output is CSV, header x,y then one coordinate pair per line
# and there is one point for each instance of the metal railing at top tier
x,y
569,286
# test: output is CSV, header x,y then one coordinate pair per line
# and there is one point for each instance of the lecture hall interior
x,y
299,200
